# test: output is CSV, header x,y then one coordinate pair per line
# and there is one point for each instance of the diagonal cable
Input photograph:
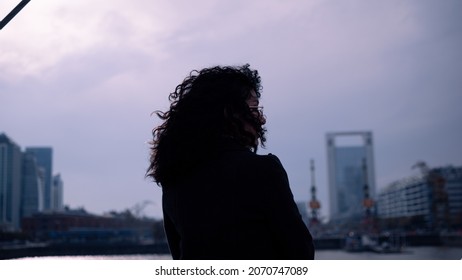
x,y
13,13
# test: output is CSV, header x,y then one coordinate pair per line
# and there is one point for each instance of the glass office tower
x,y
350,173
10,183
44,156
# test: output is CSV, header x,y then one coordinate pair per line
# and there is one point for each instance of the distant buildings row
x,y
78,226
432,200
27,183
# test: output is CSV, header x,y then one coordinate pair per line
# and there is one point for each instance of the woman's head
x,y
208,107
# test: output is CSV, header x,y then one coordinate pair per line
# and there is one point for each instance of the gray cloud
x,y
87,80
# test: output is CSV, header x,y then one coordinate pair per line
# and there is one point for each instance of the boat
x,y
385,242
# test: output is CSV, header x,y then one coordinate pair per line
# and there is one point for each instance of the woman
x,y
220,199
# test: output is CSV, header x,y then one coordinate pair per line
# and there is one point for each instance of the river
x,y
408,253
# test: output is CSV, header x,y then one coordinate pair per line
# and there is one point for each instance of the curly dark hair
x,y
207,110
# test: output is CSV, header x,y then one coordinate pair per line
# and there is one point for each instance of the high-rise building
x,y
10,183
33,180
57,192
351,174
44,157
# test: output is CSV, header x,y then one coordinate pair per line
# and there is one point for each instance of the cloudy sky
x,y
84,76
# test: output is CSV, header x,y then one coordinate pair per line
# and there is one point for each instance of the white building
x,y
404,198
433,199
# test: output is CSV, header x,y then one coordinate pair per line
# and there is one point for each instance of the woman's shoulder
x,y
272,157
257,163
268,159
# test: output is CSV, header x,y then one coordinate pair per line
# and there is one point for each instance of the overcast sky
x,y
84,76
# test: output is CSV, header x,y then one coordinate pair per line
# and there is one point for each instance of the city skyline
x,y
28,184
84,78
139,207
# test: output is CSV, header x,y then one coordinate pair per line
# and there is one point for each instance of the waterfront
x,y
408,253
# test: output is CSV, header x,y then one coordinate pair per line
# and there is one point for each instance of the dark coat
x,y
236,207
